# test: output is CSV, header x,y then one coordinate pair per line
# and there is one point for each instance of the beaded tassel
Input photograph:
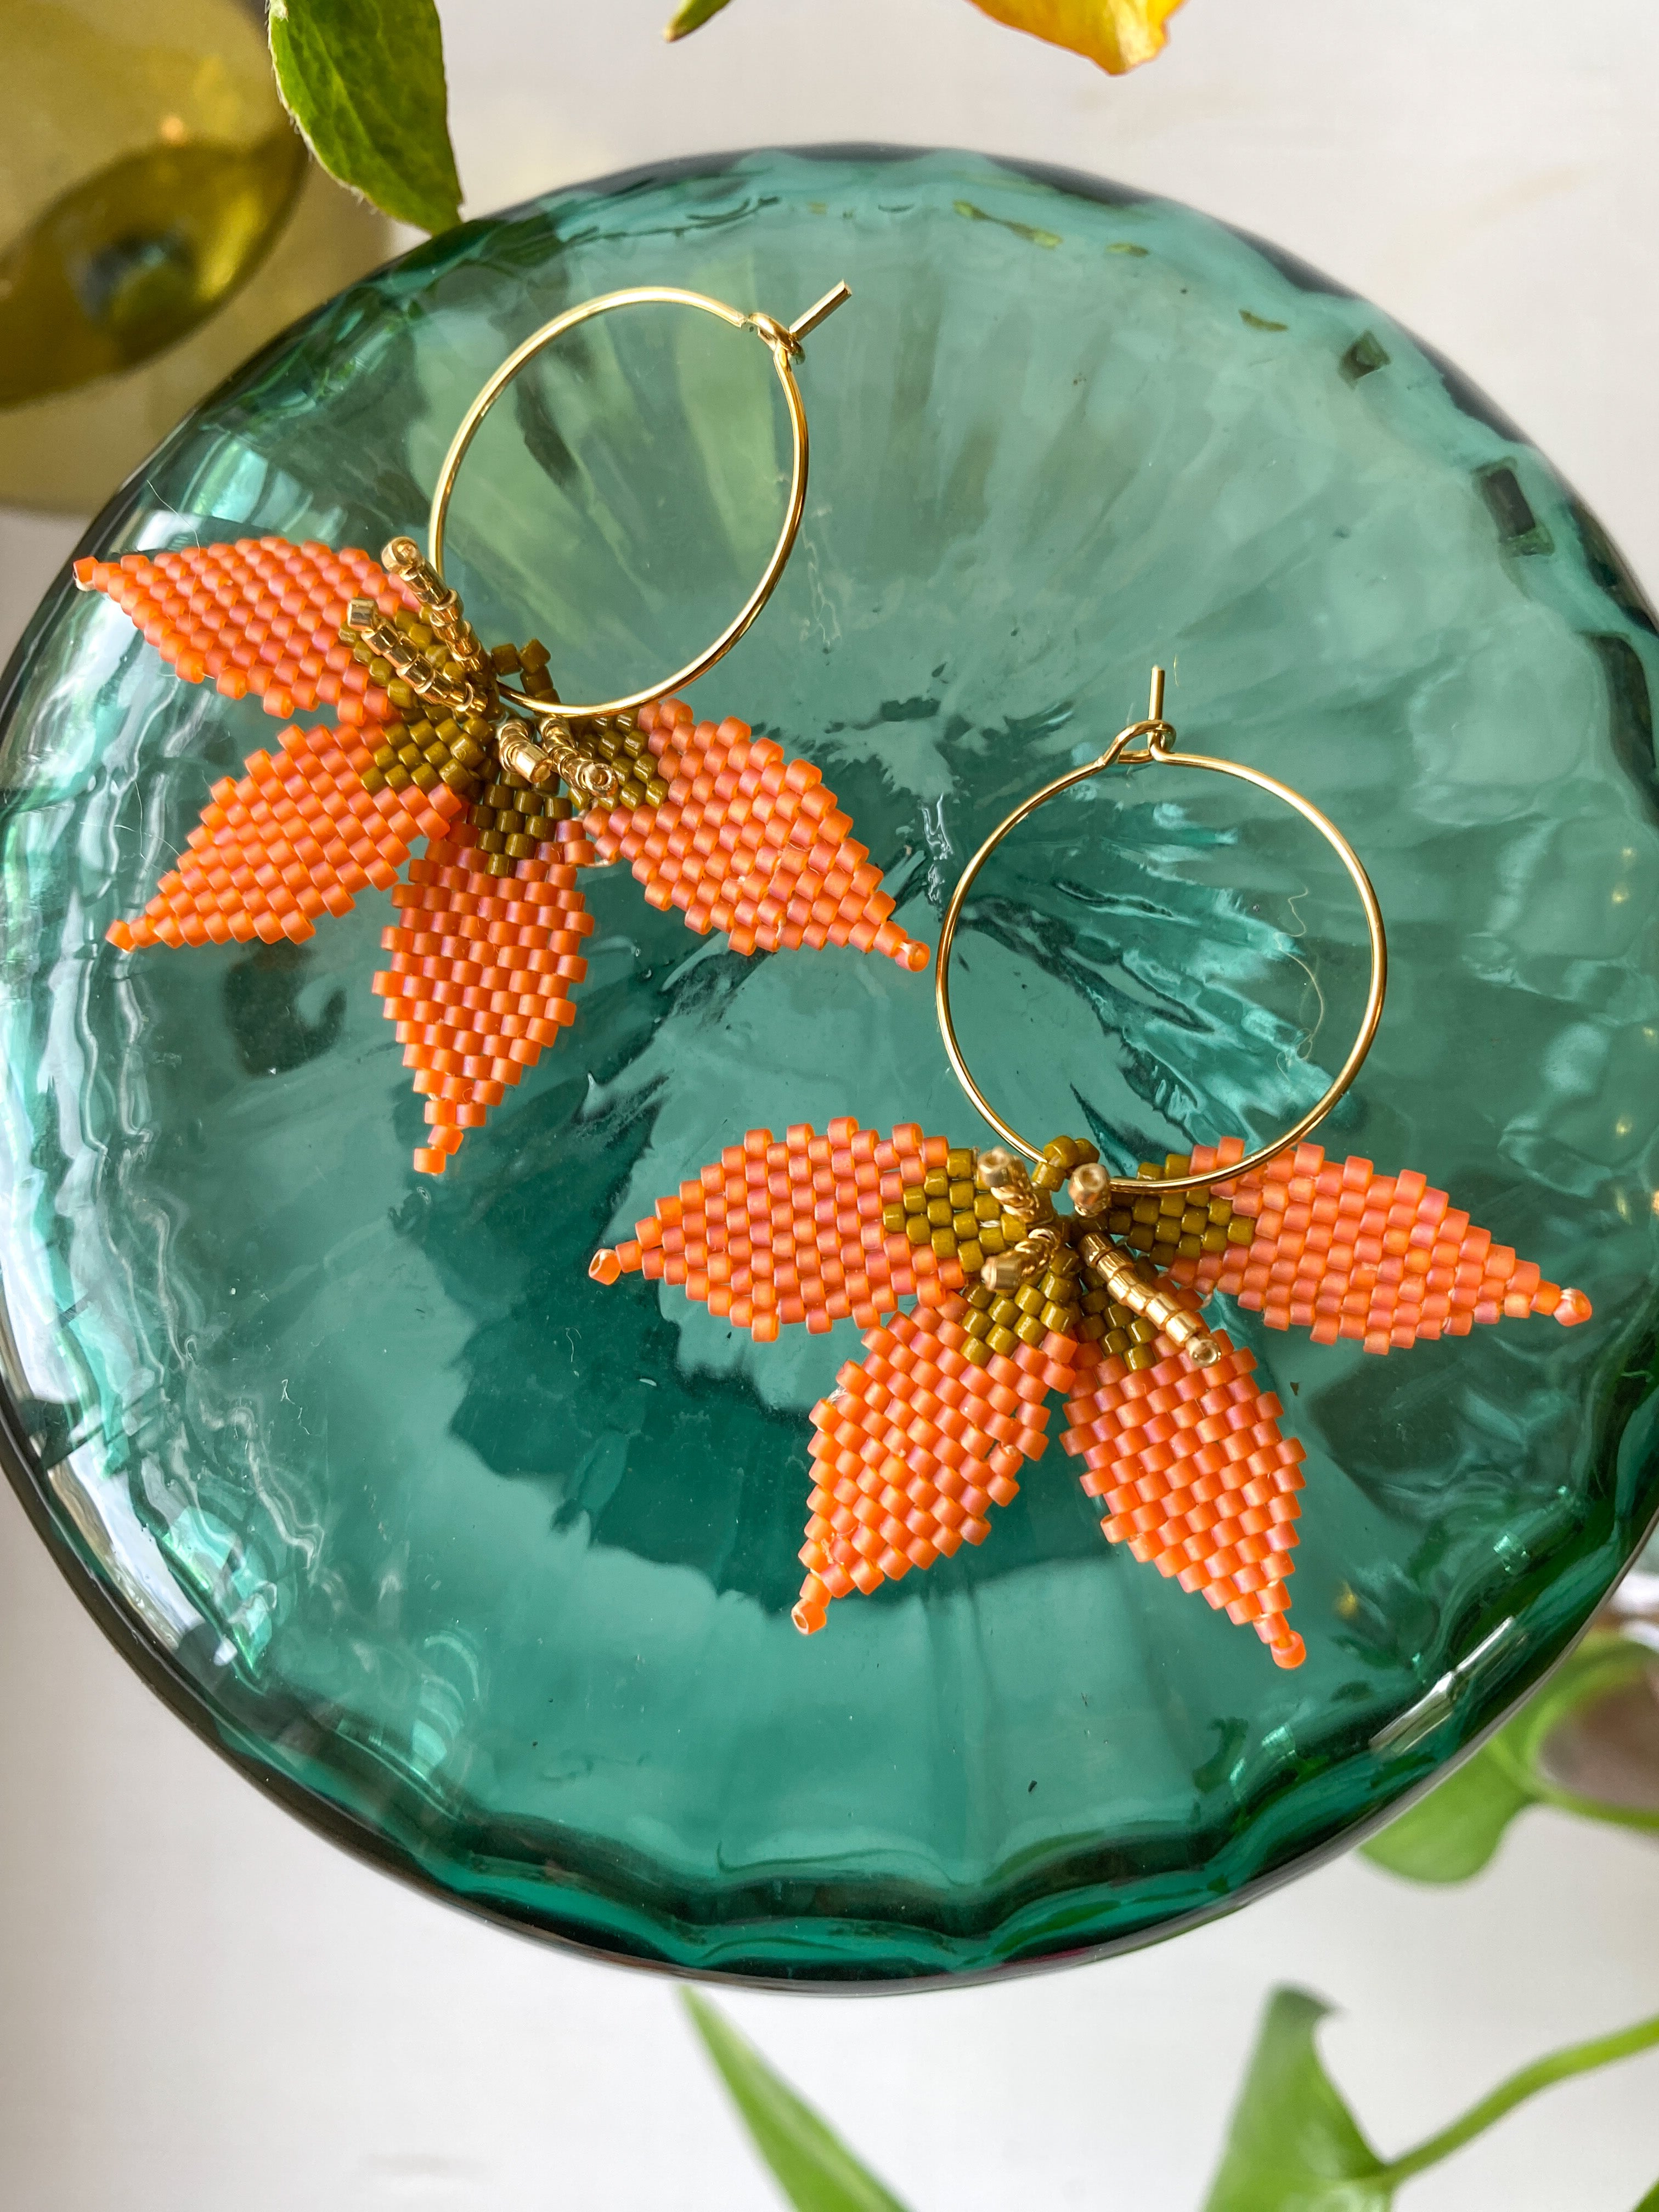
x,y
1183,1448
431,743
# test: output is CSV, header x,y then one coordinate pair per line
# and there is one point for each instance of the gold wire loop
x,y
1158,747
783,341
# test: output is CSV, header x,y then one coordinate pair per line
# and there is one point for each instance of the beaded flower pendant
x,y
1014,1300
487,943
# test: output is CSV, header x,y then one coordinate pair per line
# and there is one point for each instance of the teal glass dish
x,y
485,1569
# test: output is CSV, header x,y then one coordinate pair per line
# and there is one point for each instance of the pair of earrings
x,y
514,790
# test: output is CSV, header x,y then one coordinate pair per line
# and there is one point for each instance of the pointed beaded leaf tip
x,y
512,792
1014,1299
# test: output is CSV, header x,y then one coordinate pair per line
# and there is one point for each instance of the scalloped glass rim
x,y
799,1934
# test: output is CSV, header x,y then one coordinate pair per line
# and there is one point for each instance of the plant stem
x,y
1558,2066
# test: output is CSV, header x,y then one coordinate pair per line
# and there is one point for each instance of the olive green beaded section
x,y
951,1210
619,740
439,682
513,821
423,744
1174,1224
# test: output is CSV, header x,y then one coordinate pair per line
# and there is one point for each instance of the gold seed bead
x,y
976,1352
959,1164
1138,1357
892,1217
977,1296
965,1225
917,1228
1119,1221
959,1192
1089,1187
936,1182
398,779
1031,1331
1059,1318
914,1199
998,1169
971,1252
1240,1230
990,1239
943,1242
1003,1340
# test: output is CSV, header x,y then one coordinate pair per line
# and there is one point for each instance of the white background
x,y
205,2006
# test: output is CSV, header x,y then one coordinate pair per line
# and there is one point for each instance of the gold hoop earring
x,y
1015,1299
783,341
1145,744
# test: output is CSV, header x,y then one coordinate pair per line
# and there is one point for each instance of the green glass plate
x,y
486,1570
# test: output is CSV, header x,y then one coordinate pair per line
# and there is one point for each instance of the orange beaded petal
x,y
481,971
914,1449
1344,1252
751,842
775,1232
1196,1479
260,616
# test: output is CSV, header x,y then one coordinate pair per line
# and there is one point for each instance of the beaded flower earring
x,y
1015,1299
514,789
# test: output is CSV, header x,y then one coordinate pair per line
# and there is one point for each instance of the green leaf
x,y
1650,2202
814,2168
1293,2145
364,81
692,17
1452,1833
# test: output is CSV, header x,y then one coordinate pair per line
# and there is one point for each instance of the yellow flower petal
x,y
1118,34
